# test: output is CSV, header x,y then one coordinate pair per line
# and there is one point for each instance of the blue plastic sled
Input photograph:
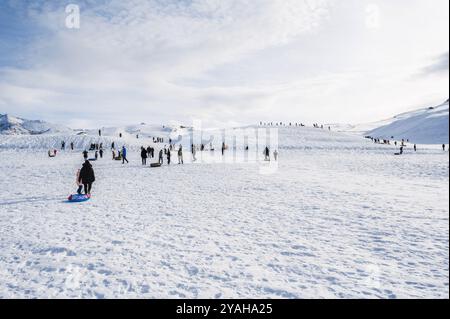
x,y
77,198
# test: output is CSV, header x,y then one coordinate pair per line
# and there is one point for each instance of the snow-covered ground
x,y
341,217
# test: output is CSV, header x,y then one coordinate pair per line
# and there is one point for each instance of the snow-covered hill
x,y
18,133
425,126
10,125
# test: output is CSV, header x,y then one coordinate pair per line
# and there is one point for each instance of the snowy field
x,y
340,218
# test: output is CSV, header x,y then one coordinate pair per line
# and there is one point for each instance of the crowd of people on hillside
x,y
295,124
85,177
401,144
282,124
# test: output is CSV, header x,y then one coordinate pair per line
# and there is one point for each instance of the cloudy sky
x,y
225,62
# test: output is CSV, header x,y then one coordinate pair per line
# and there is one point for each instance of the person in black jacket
x,y
180,155
168,157
160,160
144,155
87,177
267,154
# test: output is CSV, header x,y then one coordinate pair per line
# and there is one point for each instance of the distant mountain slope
x,y
425,126
10,125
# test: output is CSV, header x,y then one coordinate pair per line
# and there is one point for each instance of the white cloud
x,y
227,61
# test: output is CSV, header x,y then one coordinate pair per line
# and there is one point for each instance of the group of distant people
x,y
267,154
98,153
281,124
121,154
85,177
315,125
397,143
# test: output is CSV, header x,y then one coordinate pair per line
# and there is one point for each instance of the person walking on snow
x,y
144,156
160,160
101,152
275,155
168,157
193,151
267,154
87,177
85,154
180,155
124,155
443,147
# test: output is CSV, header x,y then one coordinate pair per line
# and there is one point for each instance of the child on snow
x,y
80,186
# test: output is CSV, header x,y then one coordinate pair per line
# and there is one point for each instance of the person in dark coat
x,y
193,151
85,154
180,155
267,154
144,155
168,157
87,177
160,160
